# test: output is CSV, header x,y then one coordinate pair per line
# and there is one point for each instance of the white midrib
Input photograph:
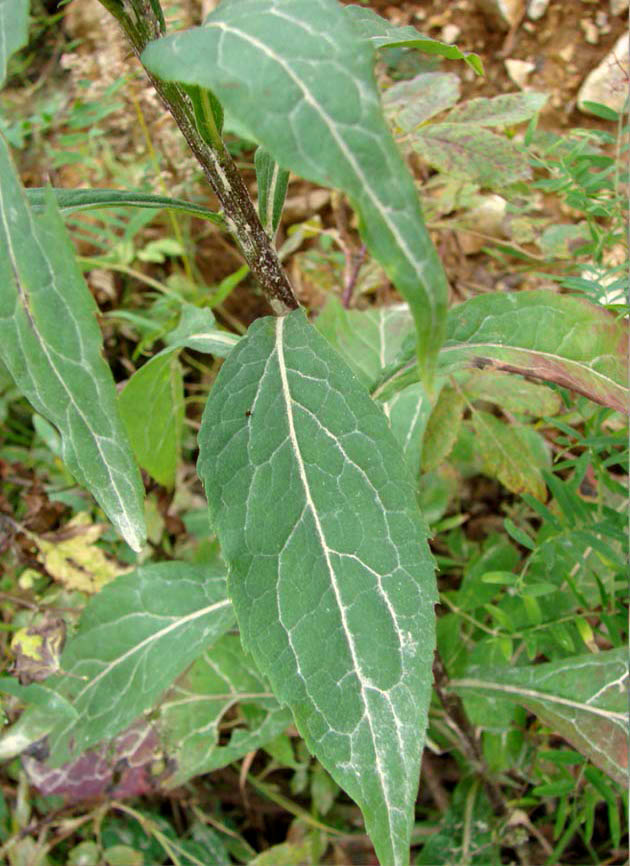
x,y
158,635
288,400
131,535
363,180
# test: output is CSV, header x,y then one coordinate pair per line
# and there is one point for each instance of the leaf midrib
x,y
363,181
363,684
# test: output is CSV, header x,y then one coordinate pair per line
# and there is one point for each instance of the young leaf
x,y
152,408
381,34
328,127
583,698
582,346
51,344
135,637
330,573
196,330
76,200
13,31
272,189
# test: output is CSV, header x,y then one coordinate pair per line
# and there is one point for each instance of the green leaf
x,y
272,189
259,56
471,152
367,340
582,346
196,330
582,698
512,393
408,412
506,454
191,713
382,34
152,408
76,200
51,344
505,110
412,102
330,573
134,639
13,31
442,428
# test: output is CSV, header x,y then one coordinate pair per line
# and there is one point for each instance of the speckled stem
x,y
142,22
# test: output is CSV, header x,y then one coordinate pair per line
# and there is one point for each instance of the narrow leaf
x,y
152,408
259,56
76,200
408,412
13,31
583,698
330,573
272,189
51,344
442,428
134,639
382,34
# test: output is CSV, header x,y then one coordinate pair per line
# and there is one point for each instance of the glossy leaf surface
x,y
330,573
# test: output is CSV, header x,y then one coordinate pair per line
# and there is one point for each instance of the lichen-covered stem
x,y
142,22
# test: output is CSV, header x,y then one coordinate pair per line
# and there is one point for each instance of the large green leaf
x,y
557,338
134,639
152,408
299,78
382,34
330,573
13,31
584,698
76,200
51,345
191,713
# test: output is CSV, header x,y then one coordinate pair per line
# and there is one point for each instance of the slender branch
x,y
142,22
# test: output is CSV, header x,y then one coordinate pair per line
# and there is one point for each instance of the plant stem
x,y
142,24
